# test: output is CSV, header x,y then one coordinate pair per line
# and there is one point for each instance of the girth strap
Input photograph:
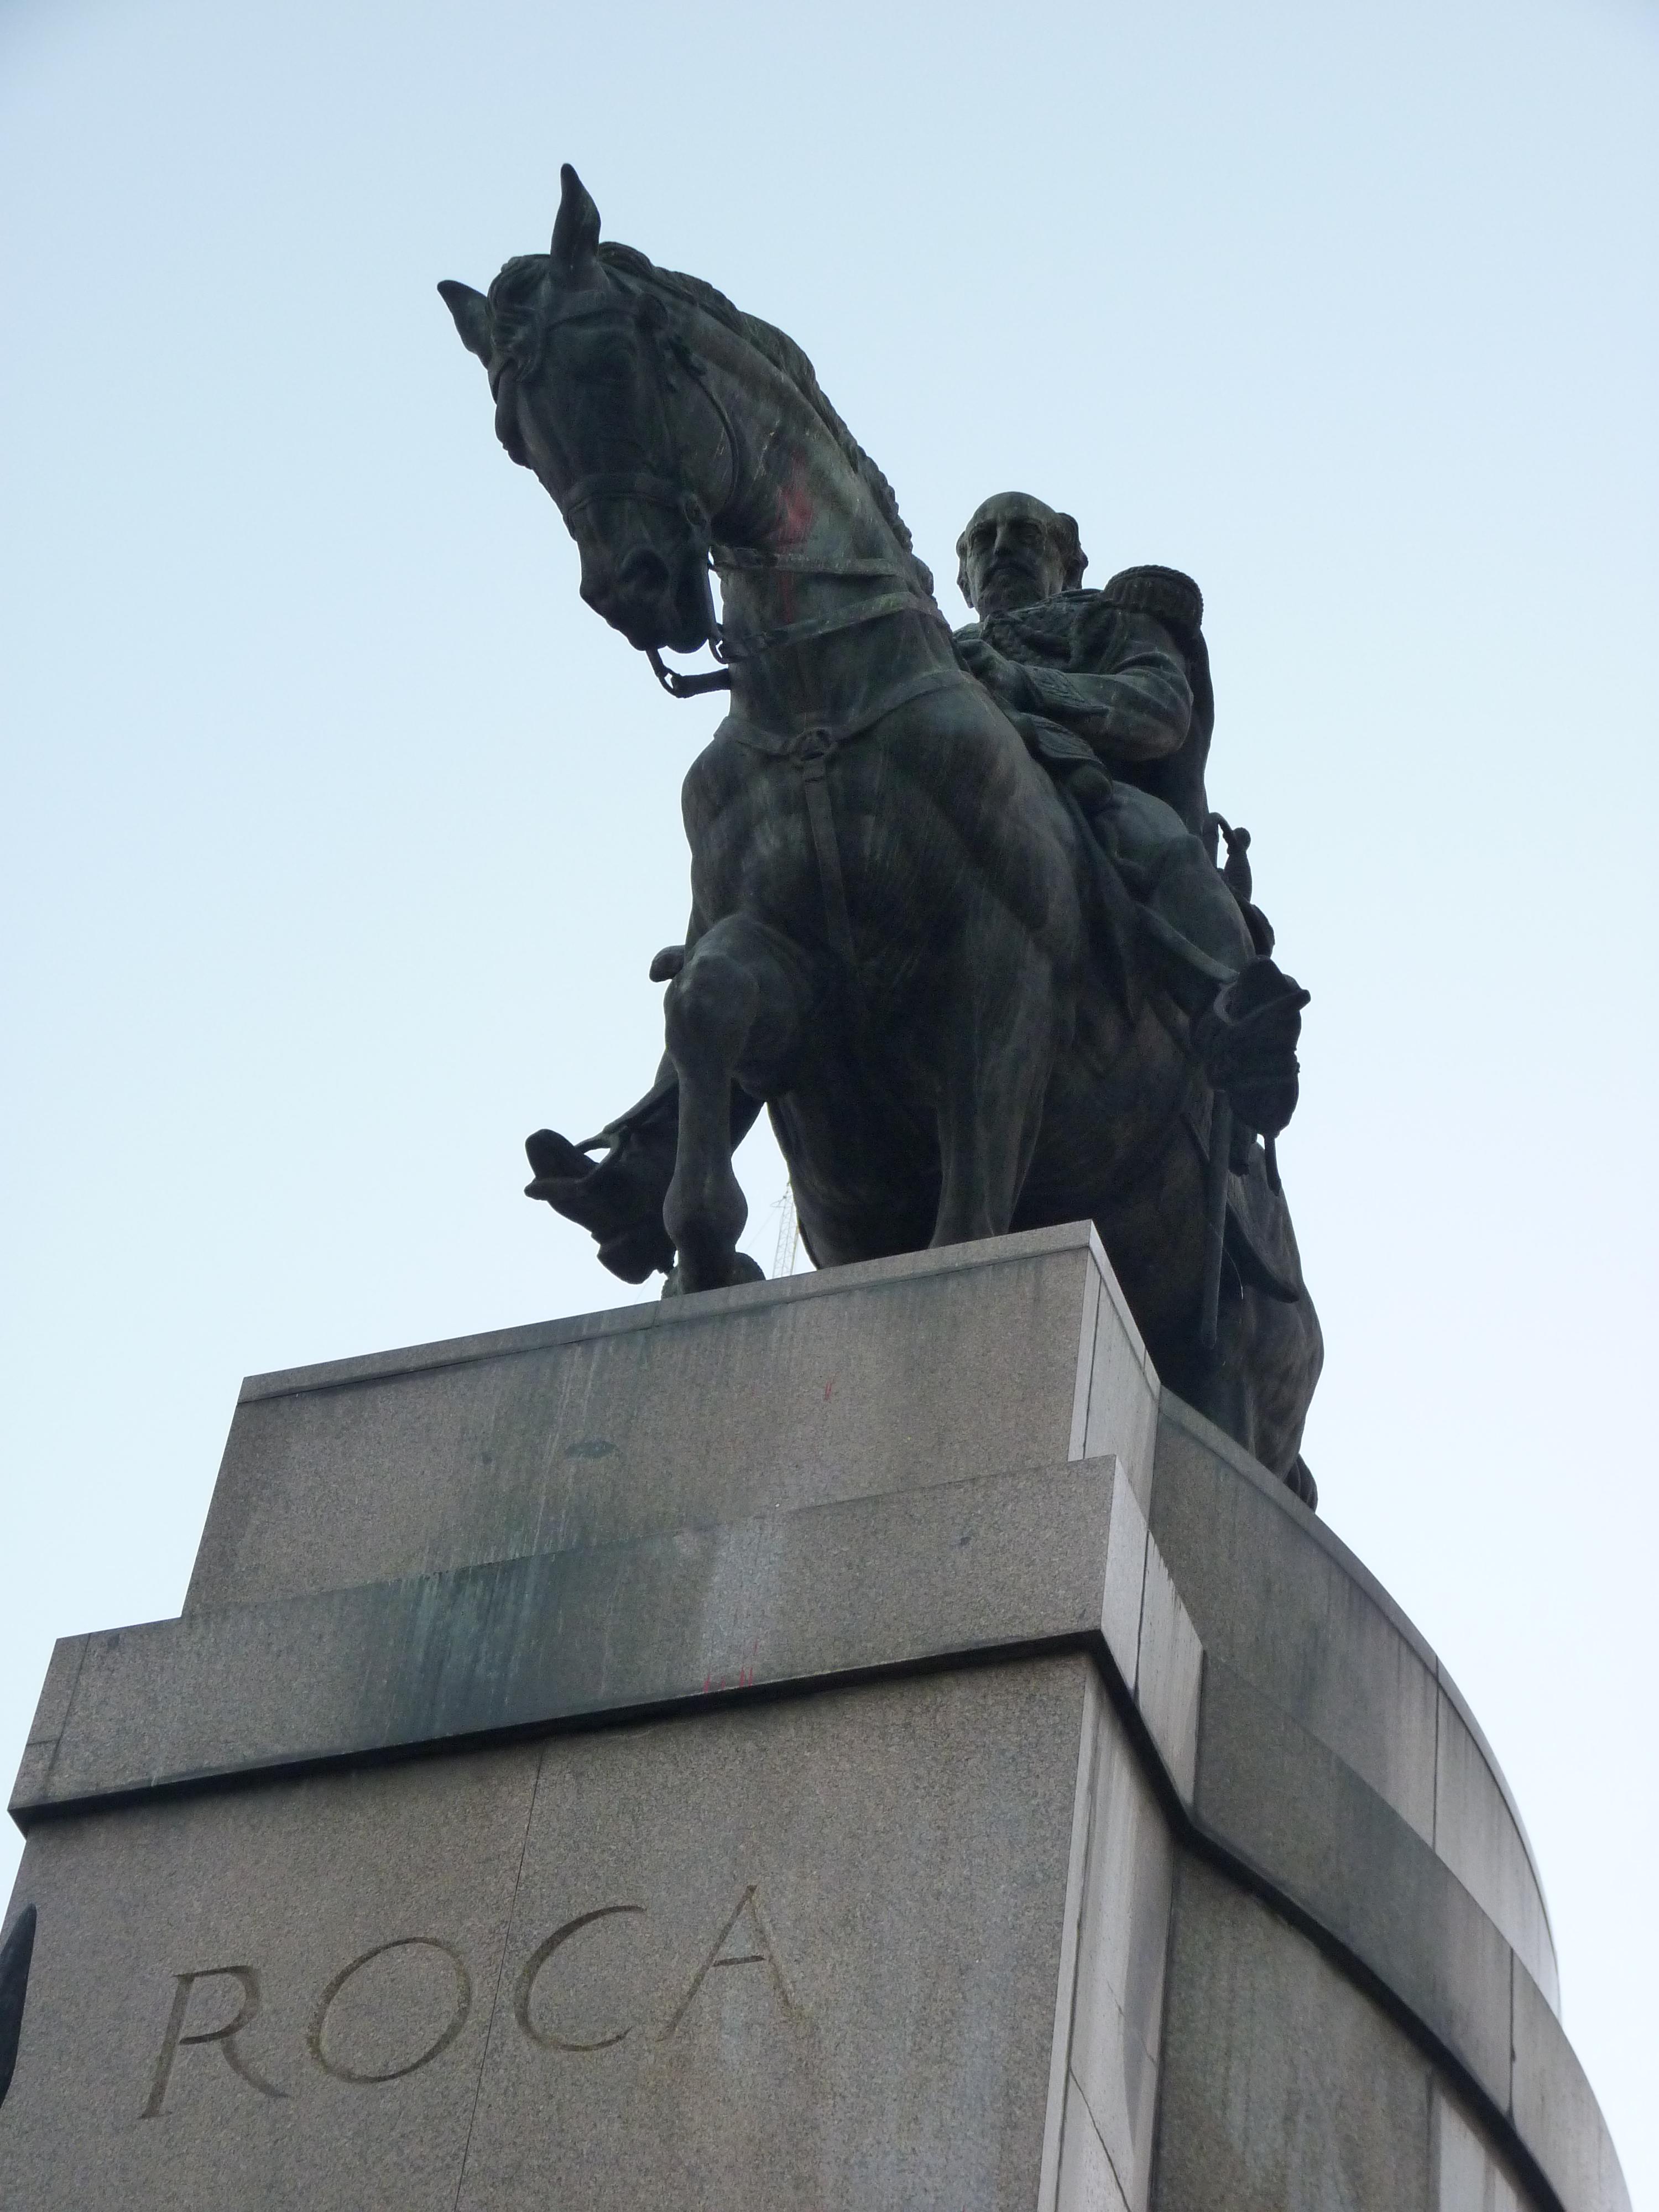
x,y
820,816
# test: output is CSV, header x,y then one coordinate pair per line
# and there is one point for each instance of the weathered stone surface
x,y
885,1876
1117,2013
1467,2175
1278,1598
1554,2107
266,1896
1284,2090
865,1585
1289,1808
805,1952
1479,1837
687,1414
1311,1635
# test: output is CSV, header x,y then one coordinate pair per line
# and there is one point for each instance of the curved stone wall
x,y
1279,1599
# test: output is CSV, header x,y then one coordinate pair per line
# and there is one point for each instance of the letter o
x,y
532,1966
457,2019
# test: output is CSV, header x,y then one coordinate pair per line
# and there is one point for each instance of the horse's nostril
x,y
642,573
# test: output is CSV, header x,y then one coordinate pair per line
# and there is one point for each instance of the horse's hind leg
x,y
733,1010
998,1046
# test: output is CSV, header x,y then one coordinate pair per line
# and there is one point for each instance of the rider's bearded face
x,y
1011,555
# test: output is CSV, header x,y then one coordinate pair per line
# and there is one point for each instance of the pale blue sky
x,y
339,833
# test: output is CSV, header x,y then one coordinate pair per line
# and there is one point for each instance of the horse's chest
x,y
781,840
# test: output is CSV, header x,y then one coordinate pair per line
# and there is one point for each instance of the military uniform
x,y
1111,692
1126,669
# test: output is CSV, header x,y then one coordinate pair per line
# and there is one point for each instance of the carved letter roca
x,y
744,1938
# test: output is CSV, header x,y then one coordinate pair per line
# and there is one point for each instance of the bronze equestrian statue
x,y
947,926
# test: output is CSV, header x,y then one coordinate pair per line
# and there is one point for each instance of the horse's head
x,y
587,379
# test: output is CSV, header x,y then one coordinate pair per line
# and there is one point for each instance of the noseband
x,y
656,487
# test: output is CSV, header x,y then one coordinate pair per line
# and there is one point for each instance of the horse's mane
x,y
777,346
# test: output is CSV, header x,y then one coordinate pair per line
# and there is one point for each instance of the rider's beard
x,y
1007,584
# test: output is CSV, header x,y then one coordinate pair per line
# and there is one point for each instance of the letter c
x,y
532,1967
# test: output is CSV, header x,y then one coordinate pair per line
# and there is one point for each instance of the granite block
x,y
176,2055
1478,1836
1555,2111
1077,1865
1273,1795
1123,1390
1285,2089
1117,2016
1127,1546
865,1584
804,1952
1169,1668
1289,1617
738,1404
1087,2181
1467,2178
827,1976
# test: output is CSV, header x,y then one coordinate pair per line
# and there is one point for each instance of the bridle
x,y
657,487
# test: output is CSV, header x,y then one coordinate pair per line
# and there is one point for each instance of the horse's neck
x,y
805,526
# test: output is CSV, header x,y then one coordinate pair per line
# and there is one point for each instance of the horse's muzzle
x,y
652,603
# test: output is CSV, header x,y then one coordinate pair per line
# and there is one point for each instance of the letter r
x,y
248,1980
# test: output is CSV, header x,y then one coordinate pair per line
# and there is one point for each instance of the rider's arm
x,y
1137,706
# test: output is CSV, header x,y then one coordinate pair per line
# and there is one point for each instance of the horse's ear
x,y
576,231
471,312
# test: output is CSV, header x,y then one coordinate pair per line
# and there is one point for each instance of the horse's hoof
x,y
1300,1484
740,1269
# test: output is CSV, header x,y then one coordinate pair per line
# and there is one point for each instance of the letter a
x,y
766,1955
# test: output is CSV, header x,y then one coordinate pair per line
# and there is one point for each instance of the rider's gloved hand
x,y
1004,679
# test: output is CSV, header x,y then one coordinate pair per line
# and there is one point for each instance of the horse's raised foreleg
x,y
733,1012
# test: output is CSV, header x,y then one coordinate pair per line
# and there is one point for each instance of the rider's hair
x,y
1071,546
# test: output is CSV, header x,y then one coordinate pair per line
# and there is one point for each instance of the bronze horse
x,y
896,940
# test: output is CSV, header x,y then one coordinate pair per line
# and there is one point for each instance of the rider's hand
x,y
1003,678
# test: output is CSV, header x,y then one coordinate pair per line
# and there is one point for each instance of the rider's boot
x,y
1247,1041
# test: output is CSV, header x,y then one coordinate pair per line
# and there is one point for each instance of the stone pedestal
x,y
843,1743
